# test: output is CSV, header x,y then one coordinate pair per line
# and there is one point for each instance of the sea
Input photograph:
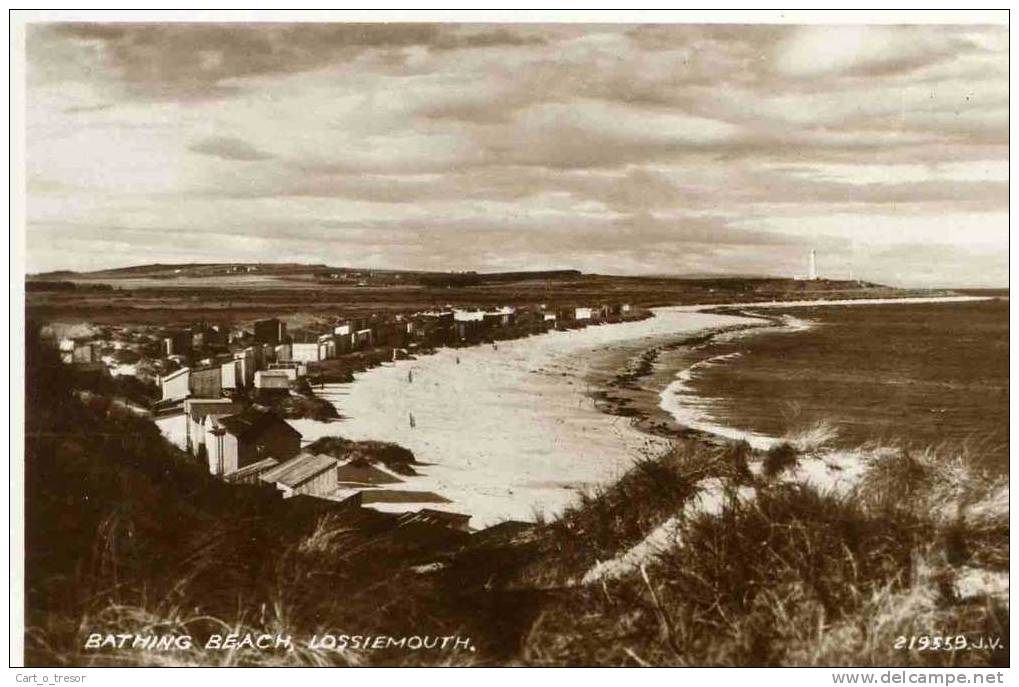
x,y
912,375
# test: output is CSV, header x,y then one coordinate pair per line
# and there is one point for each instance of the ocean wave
x,y
690,410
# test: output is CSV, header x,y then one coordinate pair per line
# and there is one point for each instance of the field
x,y
163,297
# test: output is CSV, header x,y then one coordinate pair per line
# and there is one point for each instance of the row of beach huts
x,y
275,360
222,371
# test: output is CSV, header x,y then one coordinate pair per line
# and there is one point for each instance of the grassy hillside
x,y
756,568
292,269
125,533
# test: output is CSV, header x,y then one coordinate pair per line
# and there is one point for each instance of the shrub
x,y
126,356
393,456
779,458
738,454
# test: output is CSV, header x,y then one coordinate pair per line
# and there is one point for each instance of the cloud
x,y
936,264
817,51
88,108
607,147
196,61
228,148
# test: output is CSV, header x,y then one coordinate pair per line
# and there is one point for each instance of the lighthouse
x,y
812,271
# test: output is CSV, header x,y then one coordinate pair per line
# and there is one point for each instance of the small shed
x,y
454,521
176,386
206,382
197,409
236,441
305,352
250,474
230,375
305,473
273,379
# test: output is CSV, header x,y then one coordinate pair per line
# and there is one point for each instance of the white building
x,y
468,315
304,352
284,353
230,375
274,379
176,385
195,412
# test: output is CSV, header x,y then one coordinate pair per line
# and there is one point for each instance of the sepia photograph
x,y
511,339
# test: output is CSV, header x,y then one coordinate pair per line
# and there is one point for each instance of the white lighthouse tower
x,y
812,271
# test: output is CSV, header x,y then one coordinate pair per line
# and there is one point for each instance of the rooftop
x,y
176,373
250,470
430,516
251,422
299,469
200,408
274,372
359,472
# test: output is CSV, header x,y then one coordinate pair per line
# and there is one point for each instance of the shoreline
x,y
628,394
658,411
518,432
657,408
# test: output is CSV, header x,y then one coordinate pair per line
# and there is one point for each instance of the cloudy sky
x,y
621,149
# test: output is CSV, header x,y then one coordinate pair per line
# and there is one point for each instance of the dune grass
x,y
798,576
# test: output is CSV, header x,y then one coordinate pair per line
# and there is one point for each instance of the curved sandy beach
x,y
508,432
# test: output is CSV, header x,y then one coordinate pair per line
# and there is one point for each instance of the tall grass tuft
x,y
811,437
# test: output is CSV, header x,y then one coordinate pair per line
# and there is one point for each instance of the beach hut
x,y
236,441
306,473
